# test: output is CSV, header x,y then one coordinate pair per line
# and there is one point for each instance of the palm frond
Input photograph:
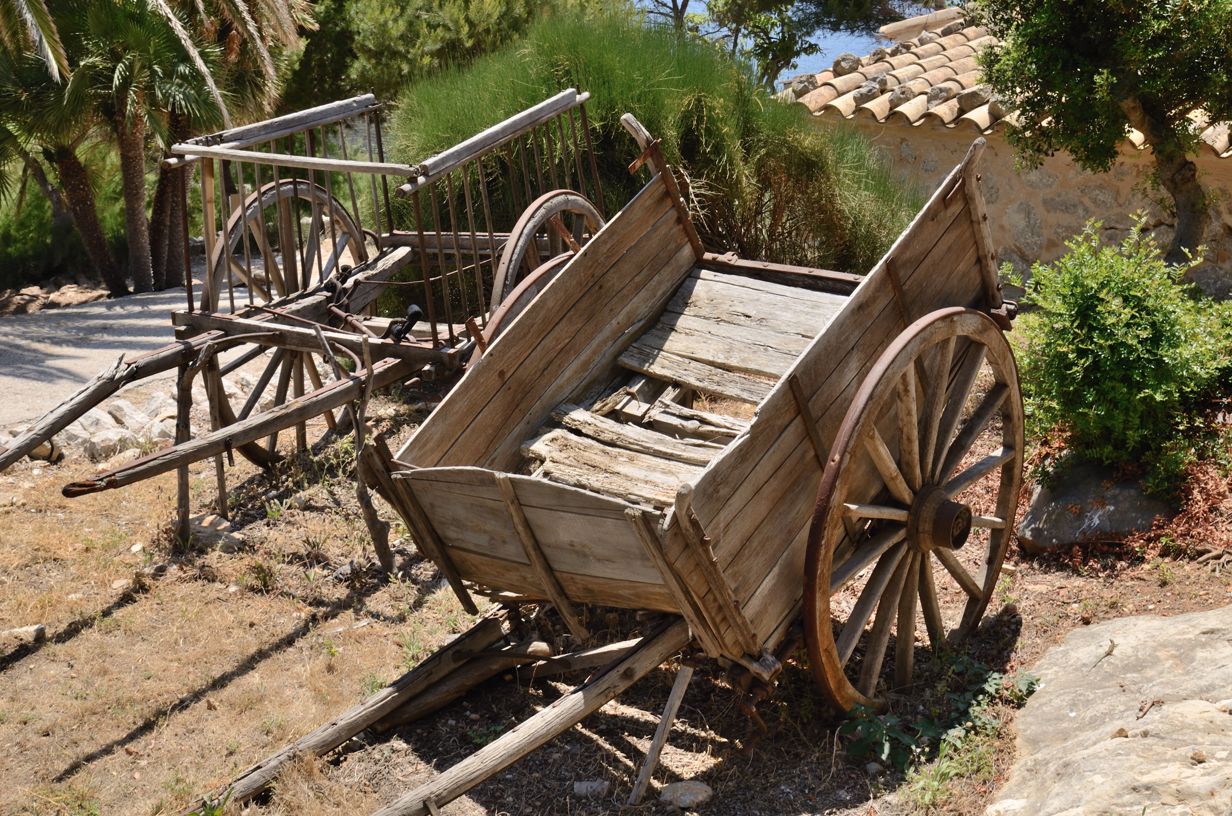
x,y
40,31
194,55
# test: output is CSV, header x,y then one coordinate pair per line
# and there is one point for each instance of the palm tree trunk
x,y
176,228
1178,175
130,133
79,197
160,222
60,216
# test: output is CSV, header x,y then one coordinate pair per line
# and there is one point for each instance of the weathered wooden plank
x,y
641,301
581,462
539,562
446,437
519,578
819,280
715,299
716,349
704,377
471,514
633,437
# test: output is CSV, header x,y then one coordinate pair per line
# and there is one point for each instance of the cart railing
x,y
288,202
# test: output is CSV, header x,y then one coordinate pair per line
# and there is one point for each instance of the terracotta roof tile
x,y
921,77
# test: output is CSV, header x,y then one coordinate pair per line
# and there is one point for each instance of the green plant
x,y
1120,353
371,685
762,180
212,807
259,577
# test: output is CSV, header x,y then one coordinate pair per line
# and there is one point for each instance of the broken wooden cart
x,y
730,444
307,225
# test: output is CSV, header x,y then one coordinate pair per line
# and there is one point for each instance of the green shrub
x,y
766,183
1121,352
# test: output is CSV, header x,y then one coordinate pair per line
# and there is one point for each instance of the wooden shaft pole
x,y
561,715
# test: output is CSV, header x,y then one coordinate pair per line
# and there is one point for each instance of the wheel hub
x,y
938,521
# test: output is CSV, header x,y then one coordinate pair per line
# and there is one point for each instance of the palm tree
x,y
29,22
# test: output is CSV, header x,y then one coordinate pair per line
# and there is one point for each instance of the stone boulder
x,y
1086,504
1132,716
844,64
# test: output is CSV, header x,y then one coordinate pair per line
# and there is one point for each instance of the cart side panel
x,y
757,499
586,539
575,328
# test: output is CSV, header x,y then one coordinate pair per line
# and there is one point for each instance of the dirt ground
x,y
165,673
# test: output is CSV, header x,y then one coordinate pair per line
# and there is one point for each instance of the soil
x,y
167,672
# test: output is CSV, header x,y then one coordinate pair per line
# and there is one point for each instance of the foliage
x,y
1078,87
1120,354
764,182
378,46
770,33
961,703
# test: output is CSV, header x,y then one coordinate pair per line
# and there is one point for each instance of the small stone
x,y
973,98
127,415
74,596
901,95
938,94
802,84
105,444
591,788
120,459
927,37
1120,733
873,769
866,93
844,64
686,795
212,530
1198,757
1225,706
49,451
136,548
952,28
878,54
119,583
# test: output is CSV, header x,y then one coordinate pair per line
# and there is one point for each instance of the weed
x,y
274,509
212,807
413,647
371,685
259,577
331,650
1164,573
481,735
273,725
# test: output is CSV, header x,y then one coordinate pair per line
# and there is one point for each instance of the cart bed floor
x,y
722,336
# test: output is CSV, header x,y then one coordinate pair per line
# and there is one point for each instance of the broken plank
x,y
634,437
581,462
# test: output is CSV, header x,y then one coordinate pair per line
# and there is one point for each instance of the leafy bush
x,y
1121,351
766,183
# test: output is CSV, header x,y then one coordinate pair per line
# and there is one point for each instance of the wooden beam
x,y
304,338
539,562
807,417
288,160
817,280
562,714
979,220
329,736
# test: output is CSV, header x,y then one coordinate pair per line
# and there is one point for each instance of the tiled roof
x,y
930,76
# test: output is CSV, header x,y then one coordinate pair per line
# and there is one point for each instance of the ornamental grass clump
x,y
1121,354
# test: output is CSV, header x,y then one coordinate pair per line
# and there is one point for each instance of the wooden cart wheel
x,y
916,504
521,296
297,236
556,222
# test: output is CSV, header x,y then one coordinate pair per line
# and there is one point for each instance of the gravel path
x,y
46,356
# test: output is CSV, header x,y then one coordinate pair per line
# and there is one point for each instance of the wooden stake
x,y
539,562
660,738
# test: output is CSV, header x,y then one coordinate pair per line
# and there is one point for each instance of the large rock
x,y
1144,729
845,63
1086,504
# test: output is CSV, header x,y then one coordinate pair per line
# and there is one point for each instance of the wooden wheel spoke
x,y
280,395
988,522
879,637
939,379
928,603
865,555
559,226
867,601
876,511
904,647
978,471
956,397
975,424
909,428
956,569
315,376
262,383
887,467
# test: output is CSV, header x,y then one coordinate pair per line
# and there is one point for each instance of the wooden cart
x,y
306,225
734,445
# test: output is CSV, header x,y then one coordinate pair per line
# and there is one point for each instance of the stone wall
x,y
1034,212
